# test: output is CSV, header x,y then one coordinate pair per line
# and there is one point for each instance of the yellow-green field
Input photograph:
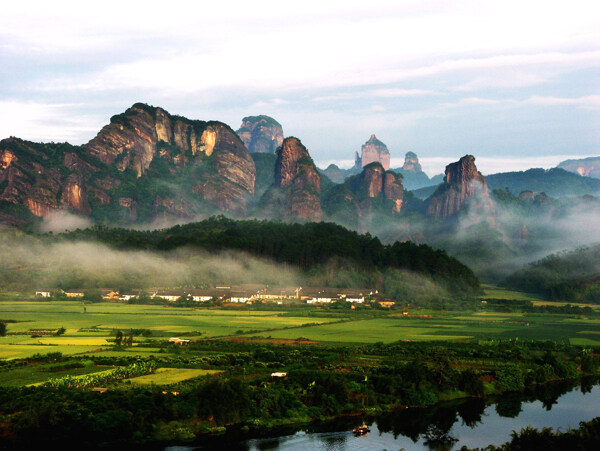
x,y
93,331
167,376
493,292
37,375
450,326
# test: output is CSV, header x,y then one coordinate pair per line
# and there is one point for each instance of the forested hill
x,y
571,276
303,245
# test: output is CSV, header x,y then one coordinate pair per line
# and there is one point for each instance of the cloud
x,y
486,165
44,121
592,101
494,165
60,221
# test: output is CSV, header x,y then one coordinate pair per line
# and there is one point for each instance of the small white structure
x,y
199,298
126,296
278,374
356,300
179,341
44,294
170,296
202,295
240,299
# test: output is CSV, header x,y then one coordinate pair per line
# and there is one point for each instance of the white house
x,y
356,300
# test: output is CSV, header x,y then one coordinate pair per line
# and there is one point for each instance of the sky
x,y
514,83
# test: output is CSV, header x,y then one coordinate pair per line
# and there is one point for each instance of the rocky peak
x,y
261,134
463,172
135,138
411,163
374,150
376,182
291,157
153,144
297,185
463,185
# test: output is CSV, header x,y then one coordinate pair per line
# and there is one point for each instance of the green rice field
x,y
93,330
167,376
449,326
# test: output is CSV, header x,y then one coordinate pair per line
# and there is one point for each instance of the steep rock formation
x,y
412,172
588,167
411,163
374,150
29,177
372,194
261,134
375,182
463,186
144,162
296,191
144,135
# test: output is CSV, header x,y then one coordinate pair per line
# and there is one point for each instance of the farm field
x,y
94,330
493,292
32,375
450,326
167,376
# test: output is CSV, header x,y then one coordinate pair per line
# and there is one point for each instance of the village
x,y
235,294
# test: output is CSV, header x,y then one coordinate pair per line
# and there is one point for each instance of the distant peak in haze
x,y
411,163
261,134
373,150
588,167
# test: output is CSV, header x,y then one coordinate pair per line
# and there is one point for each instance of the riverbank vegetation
x,y
123,374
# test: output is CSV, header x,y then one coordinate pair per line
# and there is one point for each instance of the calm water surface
x,y
472,423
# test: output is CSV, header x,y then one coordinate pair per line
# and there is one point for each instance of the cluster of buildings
x,y
247,293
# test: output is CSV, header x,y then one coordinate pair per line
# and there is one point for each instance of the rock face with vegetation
x,y
463,187
555,182
296,191
261,134
588,167
145,164
335,174
374,150
36,179
374,191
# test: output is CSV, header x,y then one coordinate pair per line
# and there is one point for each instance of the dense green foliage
x,y
321,382
555,182
573,276
303,245
265,172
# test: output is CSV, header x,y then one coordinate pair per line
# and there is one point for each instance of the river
x,y
473,422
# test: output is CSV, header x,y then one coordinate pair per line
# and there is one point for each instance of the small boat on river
x,y
361,430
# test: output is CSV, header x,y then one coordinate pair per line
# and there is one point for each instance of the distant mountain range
x,y
148,167
589,167
554,182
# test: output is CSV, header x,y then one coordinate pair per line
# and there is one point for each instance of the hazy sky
x,y
516,83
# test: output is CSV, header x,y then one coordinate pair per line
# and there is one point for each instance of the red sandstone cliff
x,y
463,186
375,151
297,186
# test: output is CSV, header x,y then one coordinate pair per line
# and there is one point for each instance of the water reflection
x,y
472,422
